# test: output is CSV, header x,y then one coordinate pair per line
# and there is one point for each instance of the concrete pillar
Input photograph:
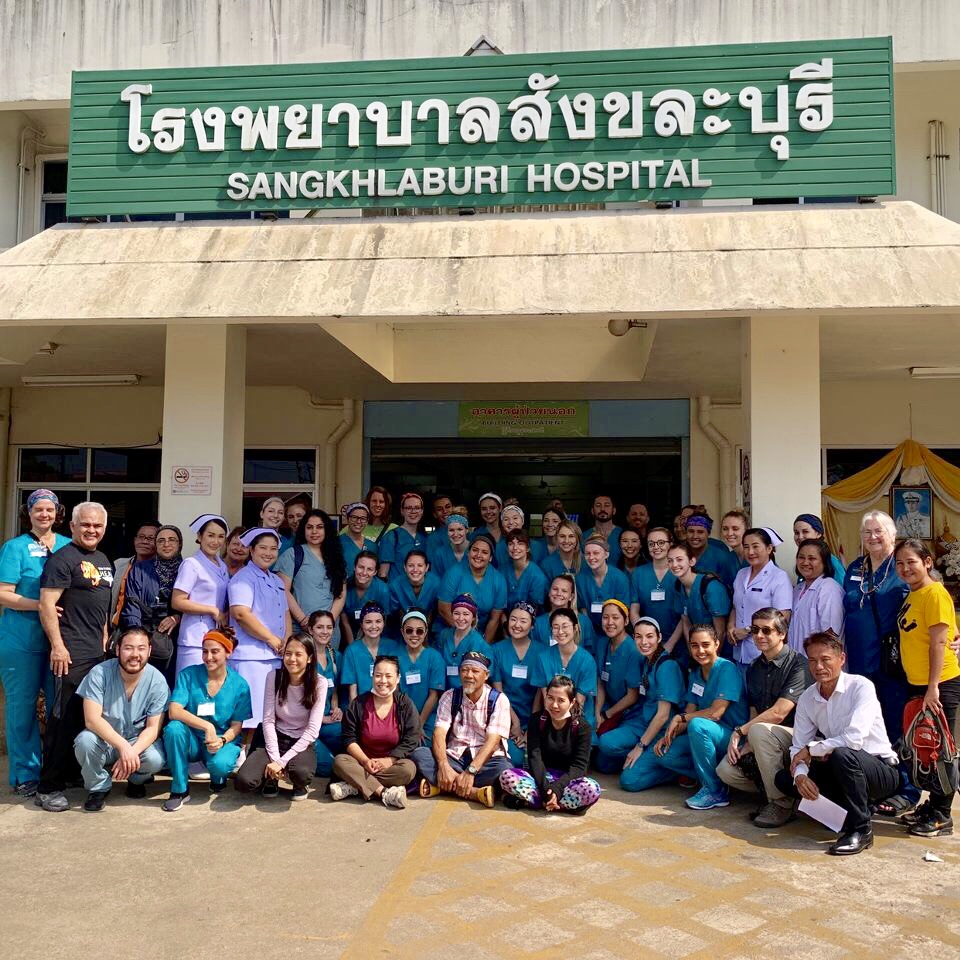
x,y
780,384
203,422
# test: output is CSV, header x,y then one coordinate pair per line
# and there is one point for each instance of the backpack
x,y
456,706
298,557
705,580
929,748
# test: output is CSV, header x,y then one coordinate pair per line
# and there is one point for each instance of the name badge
x,y
596,608
553,641
356,614
642,690
37,550
519,671
697,689
656,595
453,670
206,709
371,669
604,675
413,678
856,579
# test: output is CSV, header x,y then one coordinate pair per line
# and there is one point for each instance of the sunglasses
x,y
414,631
766,631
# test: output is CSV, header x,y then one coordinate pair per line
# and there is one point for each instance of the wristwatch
x,y
472,770
738,731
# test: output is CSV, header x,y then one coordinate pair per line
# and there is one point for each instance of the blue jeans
x,y
96,756
23,676
327,747
694,755
184,746
489,772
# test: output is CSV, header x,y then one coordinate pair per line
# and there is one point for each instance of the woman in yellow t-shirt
x,y
928,624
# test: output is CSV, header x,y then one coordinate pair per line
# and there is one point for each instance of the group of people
x,y
475,660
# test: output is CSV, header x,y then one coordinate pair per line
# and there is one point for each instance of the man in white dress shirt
x,y
840,745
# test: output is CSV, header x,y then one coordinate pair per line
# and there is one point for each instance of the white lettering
x,y
237,186
651,166
311,184
455,188
434,182
676,173
617,170
382,189
485,176
260,187
559,174
593,178
695,179
537,180
408,183
335,183
363,180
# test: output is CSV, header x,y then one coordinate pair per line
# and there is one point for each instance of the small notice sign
x,y
192,481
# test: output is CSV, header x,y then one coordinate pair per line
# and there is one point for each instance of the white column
x,y
203,421
781,402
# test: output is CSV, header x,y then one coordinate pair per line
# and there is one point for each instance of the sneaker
x,y
341,790
514,803
55,802
241,759
774,815
915,815
706,799
197,771
176,801
95,800
270,789
299,793
487,796
27,789
394,797
216,786
136,791
688,783
932,825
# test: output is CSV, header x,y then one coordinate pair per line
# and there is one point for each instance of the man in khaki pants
x,y
775,681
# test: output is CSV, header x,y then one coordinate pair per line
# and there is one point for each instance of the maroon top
x,y
378,737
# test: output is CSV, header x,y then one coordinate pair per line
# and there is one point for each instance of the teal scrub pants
x,y
327,747
23,675
614,745
694,755
183,745
517,754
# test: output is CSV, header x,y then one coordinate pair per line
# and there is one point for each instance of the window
x,y
276,472
125,480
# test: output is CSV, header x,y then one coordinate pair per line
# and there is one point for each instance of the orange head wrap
x,y
228,643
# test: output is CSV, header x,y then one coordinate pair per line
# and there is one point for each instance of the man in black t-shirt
x,y
77,579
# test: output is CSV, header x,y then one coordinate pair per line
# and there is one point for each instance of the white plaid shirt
x,y
471,727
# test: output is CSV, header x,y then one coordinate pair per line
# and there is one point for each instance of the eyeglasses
x,y
145,539
766,631
658,543
164,540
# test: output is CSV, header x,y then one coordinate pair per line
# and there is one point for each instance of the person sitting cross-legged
x,y
123,704
840,745
469,749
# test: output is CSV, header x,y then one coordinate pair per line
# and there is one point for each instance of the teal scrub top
x,y
377,592
351,551
542,634
552,566
657,598
128,717
619,669
489,594
531,585
663,681
539,550
418,678
332,674
452,653
21,563
394,547
311,586
357,664
717,601
231,704
724,683
516,675
443,559
483,528
582,670
402,599
613,539
719,560
615,586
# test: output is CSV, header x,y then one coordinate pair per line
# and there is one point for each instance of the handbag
x,y
891,661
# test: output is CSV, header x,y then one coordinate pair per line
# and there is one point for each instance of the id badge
x,y
657,595
697,689
371,669
412,678
206,709
553,641
642,690
453,670
596,608
519,671
605,676
356,614
855,579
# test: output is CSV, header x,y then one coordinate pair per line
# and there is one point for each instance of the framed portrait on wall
x,y
912,510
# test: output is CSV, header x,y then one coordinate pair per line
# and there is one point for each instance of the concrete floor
x,y
639,876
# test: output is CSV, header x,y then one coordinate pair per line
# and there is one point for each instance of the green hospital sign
x,y
750,120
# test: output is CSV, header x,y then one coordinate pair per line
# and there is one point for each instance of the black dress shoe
x,y
95,800
136,791
856,841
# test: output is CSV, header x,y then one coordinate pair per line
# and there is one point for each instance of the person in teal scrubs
x,y
452,548
525,580
652,584
478,578
490,505
567,557
567,658
696,742
599,582
511,673
699,600
352,539
356,671
320,626
712,556
562,593
544,546
422,676
603,512
662,692
395,544
208,706
511,519
808,526
363,587
618,692
461,638
417,588
24,650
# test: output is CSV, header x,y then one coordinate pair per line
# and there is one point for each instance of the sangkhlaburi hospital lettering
x,y
802,118
627,115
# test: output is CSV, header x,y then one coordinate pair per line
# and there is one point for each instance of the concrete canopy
x,y
385,288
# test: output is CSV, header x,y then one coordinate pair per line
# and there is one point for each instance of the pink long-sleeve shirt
x,y
291,718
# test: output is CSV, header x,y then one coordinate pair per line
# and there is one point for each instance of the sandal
x,y
893,807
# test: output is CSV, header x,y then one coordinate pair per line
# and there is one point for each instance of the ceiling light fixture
x,y
935,373
84,380
621,326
